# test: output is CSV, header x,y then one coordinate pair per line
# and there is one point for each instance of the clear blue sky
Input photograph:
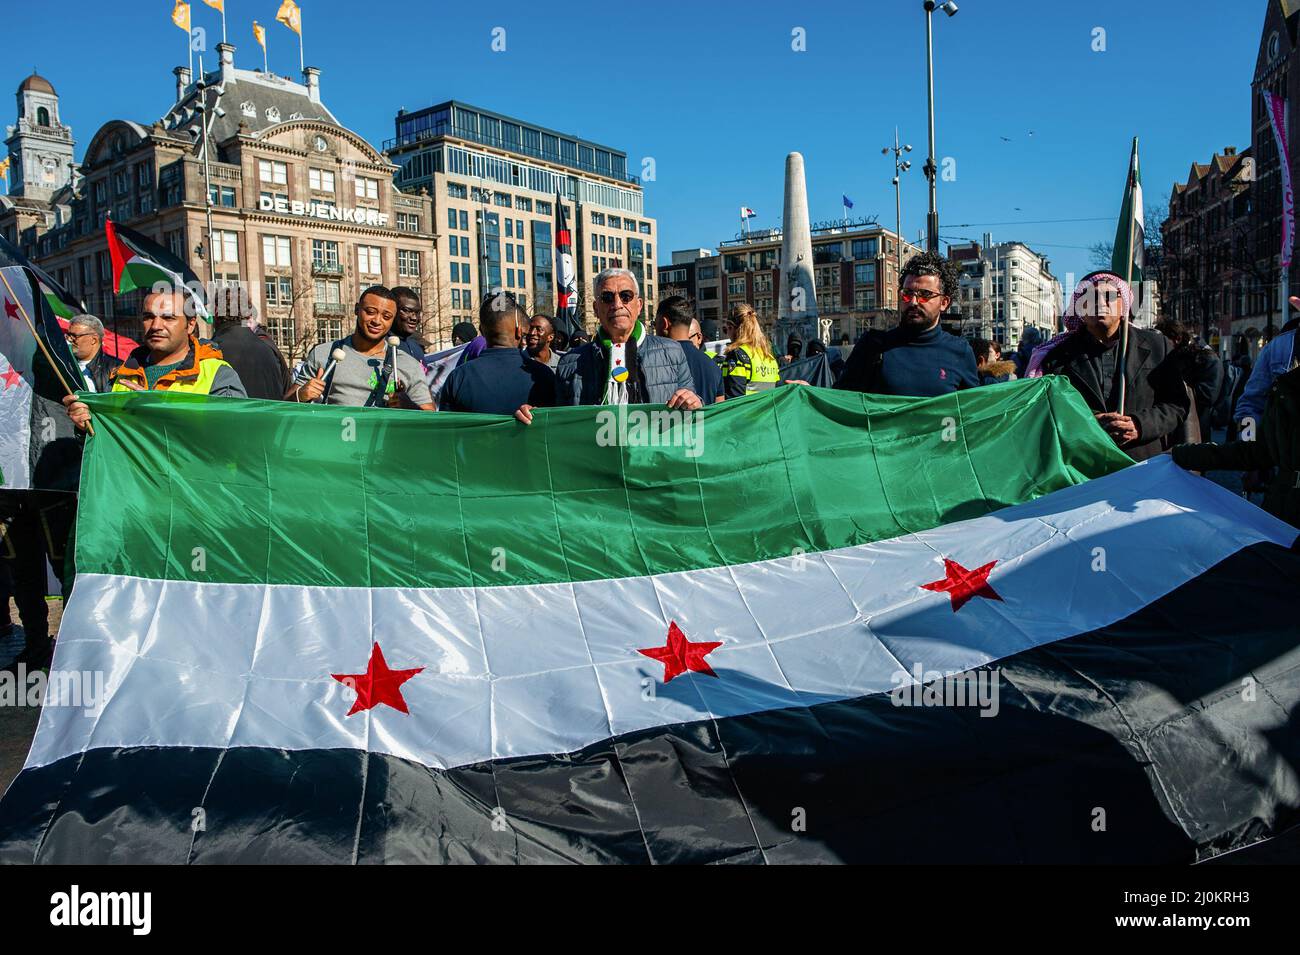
x,y
715,94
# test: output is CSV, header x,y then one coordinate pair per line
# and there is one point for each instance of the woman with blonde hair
x,y
748,364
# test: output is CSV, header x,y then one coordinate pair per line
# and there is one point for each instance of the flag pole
x,y
302,65
1286,253
1128,279
223,23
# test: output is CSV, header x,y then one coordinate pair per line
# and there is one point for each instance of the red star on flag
x,y
11,377
961,584
679,655
11,309
378,684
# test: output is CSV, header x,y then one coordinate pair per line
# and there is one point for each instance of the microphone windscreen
x,y
338,354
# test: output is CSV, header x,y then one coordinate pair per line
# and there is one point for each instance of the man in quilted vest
x,y
624,365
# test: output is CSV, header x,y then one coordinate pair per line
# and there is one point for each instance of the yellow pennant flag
x,y
259,34
181,15
290,16
4,169
216,4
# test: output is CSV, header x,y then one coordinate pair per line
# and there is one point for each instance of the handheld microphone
x,y
393,342
335,357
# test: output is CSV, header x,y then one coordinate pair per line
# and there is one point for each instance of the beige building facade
x,y
287,205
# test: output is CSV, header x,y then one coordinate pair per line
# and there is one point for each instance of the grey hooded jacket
x,y
583,373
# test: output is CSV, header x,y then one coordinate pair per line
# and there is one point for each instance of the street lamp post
x,y
207,112
931,169
900,166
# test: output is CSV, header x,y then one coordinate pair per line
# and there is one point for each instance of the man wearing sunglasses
x,y
624,365
916,358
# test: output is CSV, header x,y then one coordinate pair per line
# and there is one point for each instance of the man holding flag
x,y
172,358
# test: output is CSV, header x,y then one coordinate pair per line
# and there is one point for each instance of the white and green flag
x,y
1127,259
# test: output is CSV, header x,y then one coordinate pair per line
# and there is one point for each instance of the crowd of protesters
x,y
1149,390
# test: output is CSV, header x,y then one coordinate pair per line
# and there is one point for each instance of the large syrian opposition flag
x,y
38,445
804,626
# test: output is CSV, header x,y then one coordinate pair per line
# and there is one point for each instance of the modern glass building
x,y
477,164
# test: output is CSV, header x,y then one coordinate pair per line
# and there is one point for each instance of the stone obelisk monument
x,y
797,312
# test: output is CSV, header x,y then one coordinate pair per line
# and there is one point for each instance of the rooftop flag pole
x,y
291,16
219,5
259,34
181,17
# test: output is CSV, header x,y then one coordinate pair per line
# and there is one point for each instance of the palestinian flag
x,y
806,625
1128,255
38,445
62,303
141,263
566,281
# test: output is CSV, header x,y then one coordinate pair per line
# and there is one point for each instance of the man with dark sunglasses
x,y
624,365
917,357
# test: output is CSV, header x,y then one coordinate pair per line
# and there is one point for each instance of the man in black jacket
x,y
1155,402
916,358
677,319
1200,368
85,336
257,362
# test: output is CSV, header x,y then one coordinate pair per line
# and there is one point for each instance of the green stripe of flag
x,y
140,273
194,488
